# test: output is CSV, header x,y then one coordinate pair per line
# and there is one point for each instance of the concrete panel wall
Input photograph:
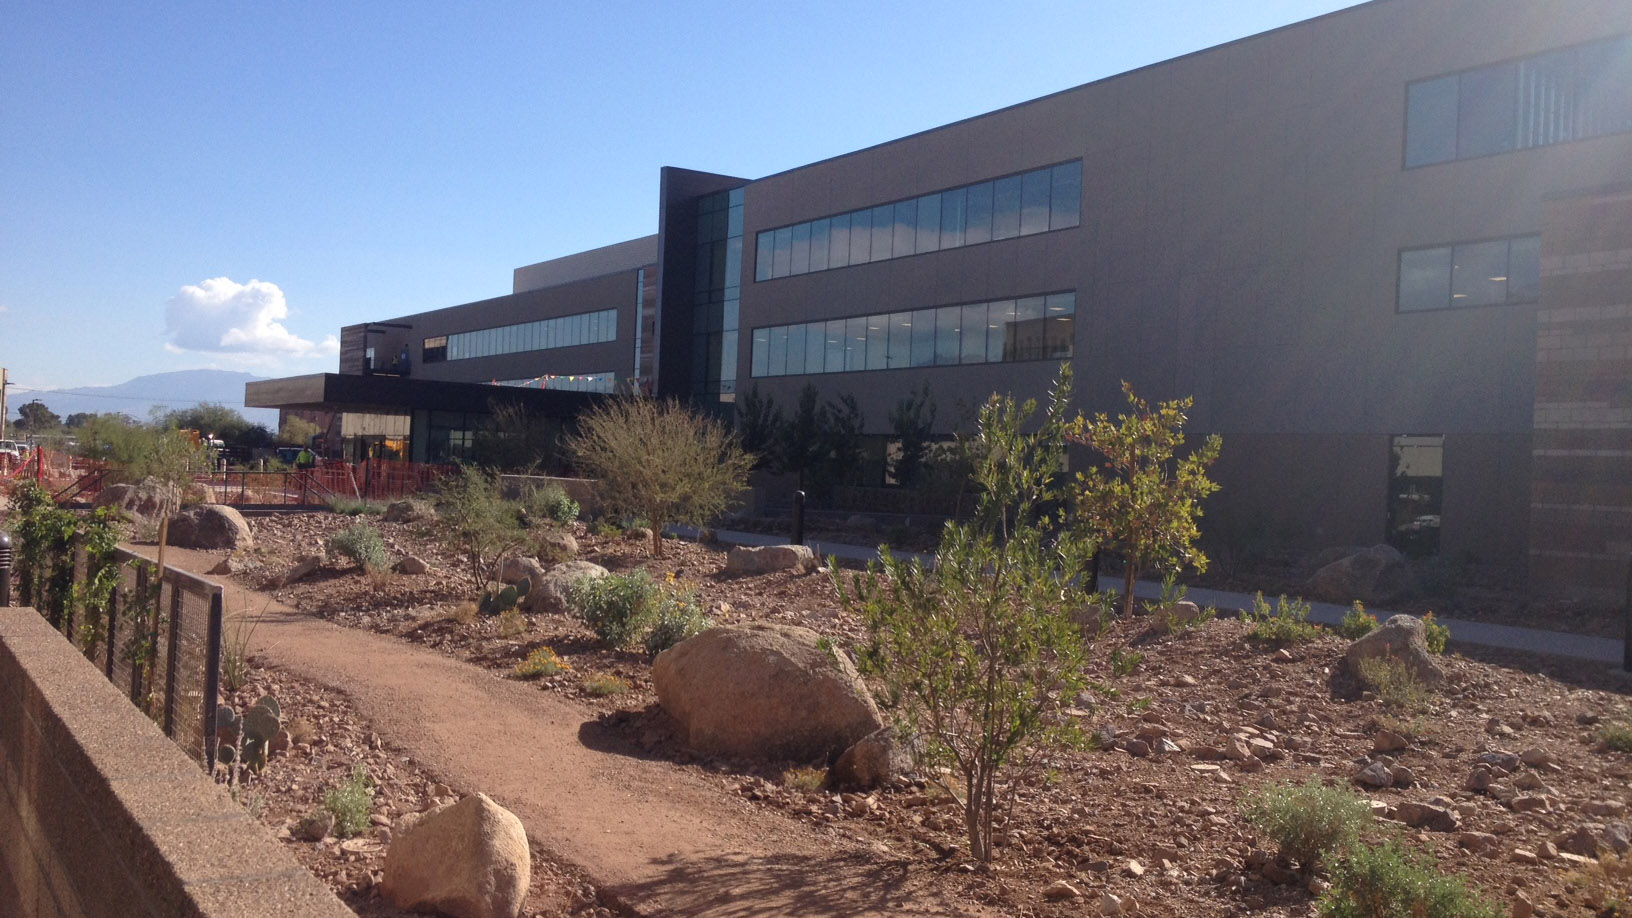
x,y
100,814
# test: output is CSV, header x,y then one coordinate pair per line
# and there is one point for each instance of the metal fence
x,y
78,481
158,638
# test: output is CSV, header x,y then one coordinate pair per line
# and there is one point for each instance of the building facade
x,y
1386,250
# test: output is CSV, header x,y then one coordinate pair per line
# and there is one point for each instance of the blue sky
x,y
362,160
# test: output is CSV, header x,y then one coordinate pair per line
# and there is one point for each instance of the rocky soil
x,y
1501,775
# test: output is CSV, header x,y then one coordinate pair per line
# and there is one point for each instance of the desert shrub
x,y
1606,884
512,623
541,662
1287,624
1124,662
678,617
617,607
605,684
1310,822
1389,880
1395,686
1616,737
350,802
465,613
476,522
240,630
1357,622
1435,634
550,502
351,506
805,778
363,544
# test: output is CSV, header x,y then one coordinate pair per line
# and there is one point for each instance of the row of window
x,y
564,331
1001,331
1487,273
566,382
1018,205
1569,94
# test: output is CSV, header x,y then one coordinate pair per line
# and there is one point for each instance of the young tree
x,y
1142,498
35,418
981,650
476,522
660,460
759,428
821,441
912,419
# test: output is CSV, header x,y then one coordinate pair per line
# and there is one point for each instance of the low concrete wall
x,y
100,814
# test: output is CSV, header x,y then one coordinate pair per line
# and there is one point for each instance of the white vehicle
x,y
10,448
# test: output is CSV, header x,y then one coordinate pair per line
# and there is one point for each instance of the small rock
x,y
1536,758
411,566
1375,775
1522,906
315,827
1137,748
1403,776
1111,904
1479,842
1426,816
1389,741
1523,856
1060,890
1133,868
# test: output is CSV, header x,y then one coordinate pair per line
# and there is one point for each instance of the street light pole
x,y
3,384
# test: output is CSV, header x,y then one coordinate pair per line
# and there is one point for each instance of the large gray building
x,y
1387,250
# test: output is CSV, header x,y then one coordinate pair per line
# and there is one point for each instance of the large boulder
x,y
210,526
554,546
1376,576
467,860
409,510
550,591
764,691
145,502
768,559
1402,637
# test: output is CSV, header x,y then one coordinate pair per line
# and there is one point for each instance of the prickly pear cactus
x,y
261,725
495,599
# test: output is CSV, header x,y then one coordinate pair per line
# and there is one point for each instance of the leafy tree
x,y
759,428
77,420
35,418
981,650
661,461
212,419
911,420
476,522
297,431
821,441
1142,498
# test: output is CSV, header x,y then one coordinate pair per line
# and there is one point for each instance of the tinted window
x,y
1035,188
855,343
818,245
835,346
759,361
948,344
839,241
900,339
883,231
923,338
777,363
929,223
973,325
906,229
1485,110
782,256
801,249
861,236
1479,274
952,218
878,342
1006,207
978,214
796,349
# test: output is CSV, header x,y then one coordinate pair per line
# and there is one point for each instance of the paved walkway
x,y
1506,637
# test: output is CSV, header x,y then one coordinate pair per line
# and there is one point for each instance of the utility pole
x,y
2,403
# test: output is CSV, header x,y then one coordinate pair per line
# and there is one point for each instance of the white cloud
x,y
223,317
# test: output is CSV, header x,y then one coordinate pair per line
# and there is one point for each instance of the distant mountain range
x,y
138,397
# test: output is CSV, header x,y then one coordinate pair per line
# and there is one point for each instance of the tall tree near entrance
x,y
1141,498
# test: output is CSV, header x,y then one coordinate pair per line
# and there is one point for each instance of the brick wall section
x,y
1581,486
100,814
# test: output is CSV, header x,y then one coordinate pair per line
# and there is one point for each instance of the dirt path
x,y
659,839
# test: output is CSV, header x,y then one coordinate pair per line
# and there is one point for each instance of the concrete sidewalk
x,y
1506,637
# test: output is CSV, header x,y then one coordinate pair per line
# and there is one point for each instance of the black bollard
x,y
798,517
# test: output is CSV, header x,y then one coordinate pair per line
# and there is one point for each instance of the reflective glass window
x,y
728,357
999,316
1524,269
1479,274
733,262
816,347
1006,208
1430,122
1485,110
1034,194
796,350
1547,99
835,347
759,361
733,226
1027,343
1065,195
855,343
923,338
906,229
878,342
818,244
861,236
948,344
782,257
839,246
883,231
973,331
801,249
952,218
1425,279
978,219
777,363
1058,339
900,351
929,223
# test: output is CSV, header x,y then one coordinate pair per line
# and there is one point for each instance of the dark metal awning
x,y
396,394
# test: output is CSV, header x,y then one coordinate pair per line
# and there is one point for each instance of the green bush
x,y
1617,737
605,684
363,544
1310,822
1395,686
350,802
349,506
678,617
1287,624
1435,634
1357,622
550,502
1389,880
618,607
